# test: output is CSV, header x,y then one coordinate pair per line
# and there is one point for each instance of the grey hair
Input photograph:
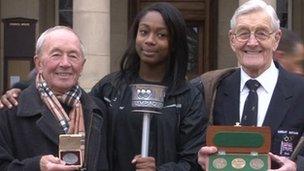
x,y
254,6
42,37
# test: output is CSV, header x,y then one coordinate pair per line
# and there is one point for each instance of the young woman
x,y
157,53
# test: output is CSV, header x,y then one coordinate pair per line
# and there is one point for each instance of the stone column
x,y
91,21
226,57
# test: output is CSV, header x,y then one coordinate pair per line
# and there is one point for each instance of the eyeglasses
x,y
260,35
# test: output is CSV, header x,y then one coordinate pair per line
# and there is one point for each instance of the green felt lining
x,y
239,139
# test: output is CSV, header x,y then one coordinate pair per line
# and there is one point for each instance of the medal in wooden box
x,y
241,148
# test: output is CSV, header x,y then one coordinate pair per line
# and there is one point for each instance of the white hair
x,y
254,6
42,37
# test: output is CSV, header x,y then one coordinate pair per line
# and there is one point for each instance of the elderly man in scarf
x,y
52,106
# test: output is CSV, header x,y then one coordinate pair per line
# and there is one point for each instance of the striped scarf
x,y
72,123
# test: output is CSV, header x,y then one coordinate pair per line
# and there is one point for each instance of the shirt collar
x,y
267,79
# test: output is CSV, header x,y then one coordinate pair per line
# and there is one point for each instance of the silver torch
x,y
147,99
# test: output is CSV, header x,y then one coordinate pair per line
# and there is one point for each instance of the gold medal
x,y
219,163
256,164
238,163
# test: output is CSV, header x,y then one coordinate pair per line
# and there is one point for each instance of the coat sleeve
x,y
191,137
300,159
97,90
300,163
103,86
8,162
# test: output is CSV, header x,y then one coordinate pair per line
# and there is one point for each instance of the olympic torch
x,y
147,99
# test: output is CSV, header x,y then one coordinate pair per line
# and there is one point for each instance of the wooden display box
x,y
240,148
70,149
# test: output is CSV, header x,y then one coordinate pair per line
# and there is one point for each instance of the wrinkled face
x,y
61,60
152,40
255,54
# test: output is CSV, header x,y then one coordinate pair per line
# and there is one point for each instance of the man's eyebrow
x,y
55,50
70,51
74,51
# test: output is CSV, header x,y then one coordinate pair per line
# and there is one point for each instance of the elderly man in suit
x,y
274,96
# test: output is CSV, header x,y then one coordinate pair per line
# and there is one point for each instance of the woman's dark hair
x,y
177,65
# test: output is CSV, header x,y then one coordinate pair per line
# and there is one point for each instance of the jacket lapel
x,y
49,126
280,102
94,139
232,95
94,129
29,108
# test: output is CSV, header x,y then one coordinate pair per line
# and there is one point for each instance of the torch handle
x,y
297,149
145,135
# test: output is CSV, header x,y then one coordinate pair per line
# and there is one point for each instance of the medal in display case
x,y
242,148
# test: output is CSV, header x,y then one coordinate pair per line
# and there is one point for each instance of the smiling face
x,y
254,56
152,40
61,60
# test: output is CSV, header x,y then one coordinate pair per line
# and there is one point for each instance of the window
x,y
284,12
65,12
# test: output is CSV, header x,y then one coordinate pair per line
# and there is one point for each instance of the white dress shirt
x,y
268,80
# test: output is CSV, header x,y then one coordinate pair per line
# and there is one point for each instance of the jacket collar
x,y
231,89
281,100
32,105
231,85
279,104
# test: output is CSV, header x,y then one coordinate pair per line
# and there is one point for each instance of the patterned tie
x,y
250,111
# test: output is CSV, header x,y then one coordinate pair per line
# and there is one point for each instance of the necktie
x,y
250,111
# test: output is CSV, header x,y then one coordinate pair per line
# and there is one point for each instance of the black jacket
x,y
284,114
176,135
30,130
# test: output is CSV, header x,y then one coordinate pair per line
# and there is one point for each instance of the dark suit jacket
x,y
30,130
285,111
